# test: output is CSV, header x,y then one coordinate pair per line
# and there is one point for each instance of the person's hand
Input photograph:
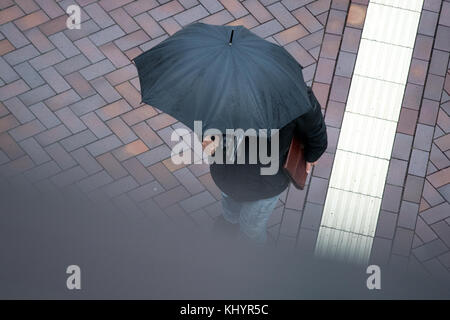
x,y
210,144
309,166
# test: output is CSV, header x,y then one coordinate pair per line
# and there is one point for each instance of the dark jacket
x,y
243,182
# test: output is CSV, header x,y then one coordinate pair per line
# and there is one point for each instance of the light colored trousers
x,y
252,216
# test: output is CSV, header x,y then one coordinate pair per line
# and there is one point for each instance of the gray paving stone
x,y
381,251
71,65
86,161
402,146
19,110
391,198
104,145
436,213
87,105
26,130
397,172
402,242
312,216
29,75
413,188
78,140
34,150
95,181
146,191
445,192
96,70
423,137
430,250
442,229
418,163
408,215
46,60
188,180
106,35
20,55
45,115
191,15
43,171
290,223
36,95
386,224
61,157
13,34
425,233
197,201
155,155
120,186
64,45
68,176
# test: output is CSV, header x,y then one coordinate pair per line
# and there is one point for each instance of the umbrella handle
x,y
231,37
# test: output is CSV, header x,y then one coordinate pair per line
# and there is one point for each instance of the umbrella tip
x,y
231,37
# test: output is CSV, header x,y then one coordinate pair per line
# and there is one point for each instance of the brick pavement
x,y
414,225
71,118
70,111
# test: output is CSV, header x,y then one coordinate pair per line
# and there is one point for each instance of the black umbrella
x,y
226,76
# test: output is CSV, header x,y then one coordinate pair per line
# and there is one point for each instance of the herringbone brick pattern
x,y
71,117
414,225
70,111
431,243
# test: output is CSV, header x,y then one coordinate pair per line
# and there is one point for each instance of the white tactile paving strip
x,y
368,129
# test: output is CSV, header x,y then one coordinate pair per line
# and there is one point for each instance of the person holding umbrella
x,y
229,78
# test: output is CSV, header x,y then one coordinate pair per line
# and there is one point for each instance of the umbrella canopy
x,y
226,76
